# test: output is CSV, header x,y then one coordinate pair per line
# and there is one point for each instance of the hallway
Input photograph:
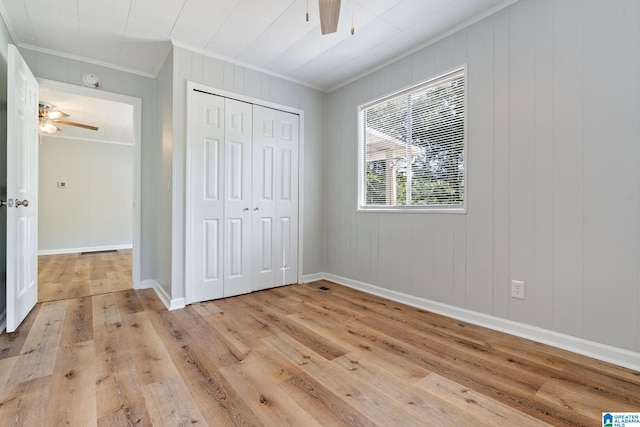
x,y
76,275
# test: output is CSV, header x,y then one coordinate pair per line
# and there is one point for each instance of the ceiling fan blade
x,y
80,125
329,14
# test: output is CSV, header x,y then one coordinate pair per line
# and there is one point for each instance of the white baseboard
x,y
307,278
177,303
171,304
162,294
79,250
606,353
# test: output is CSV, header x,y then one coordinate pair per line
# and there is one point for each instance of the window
x,y
412,147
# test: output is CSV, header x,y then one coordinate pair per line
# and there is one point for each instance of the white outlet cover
x,y
517,289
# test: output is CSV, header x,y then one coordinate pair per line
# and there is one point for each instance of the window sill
x,y
412,210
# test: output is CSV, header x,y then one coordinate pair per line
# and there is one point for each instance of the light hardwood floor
x,y
76,275
296,355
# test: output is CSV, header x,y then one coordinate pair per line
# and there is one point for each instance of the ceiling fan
x,y
50,119
329,14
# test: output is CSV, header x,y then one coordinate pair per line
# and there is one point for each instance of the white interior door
x,y
22,193
237,206
263,230
287,147
206,152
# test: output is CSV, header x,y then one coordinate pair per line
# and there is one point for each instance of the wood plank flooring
x,y
75,275
297,356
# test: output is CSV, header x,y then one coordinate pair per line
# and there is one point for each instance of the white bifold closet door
x,y
237,200
206,194
275,198
243,197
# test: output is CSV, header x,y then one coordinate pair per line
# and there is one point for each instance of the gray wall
x,y
553,182
5,39
94,211
198,68
70,71
164,178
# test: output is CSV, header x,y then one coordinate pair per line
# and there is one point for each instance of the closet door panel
x,y
264,197
287,133
206,154
237,204
212,249
236,247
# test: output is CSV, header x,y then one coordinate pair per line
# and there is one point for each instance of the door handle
x,y
24,203
245,209
256,209
3,203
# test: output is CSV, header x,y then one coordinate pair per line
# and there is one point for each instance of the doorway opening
x,y
89,194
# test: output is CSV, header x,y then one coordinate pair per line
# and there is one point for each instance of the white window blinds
x,y
413,147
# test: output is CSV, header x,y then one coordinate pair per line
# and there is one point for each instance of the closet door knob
x,y
256,209
245,209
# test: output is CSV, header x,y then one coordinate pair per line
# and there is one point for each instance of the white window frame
x,y
361,205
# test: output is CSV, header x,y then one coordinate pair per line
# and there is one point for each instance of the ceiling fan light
x,y
46,126
55,114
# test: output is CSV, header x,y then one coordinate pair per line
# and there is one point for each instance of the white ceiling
x,y
269,35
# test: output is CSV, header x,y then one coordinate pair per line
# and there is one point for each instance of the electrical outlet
x,y
517,289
